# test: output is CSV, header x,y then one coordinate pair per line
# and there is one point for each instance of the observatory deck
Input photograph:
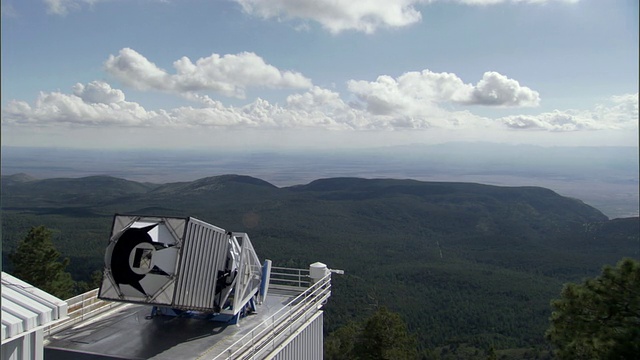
x,y
127,331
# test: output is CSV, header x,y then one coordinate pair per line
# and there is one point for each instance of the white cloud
x,y
625,106
494,2
359,15
98,92
62,7
552,121
334,15
621,114
59,7
8,10
229,75
325,108
497,90
97,104
337,16
135,70
420,92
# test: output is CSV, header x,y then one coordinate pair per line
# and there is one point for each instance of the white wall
x,y
306,343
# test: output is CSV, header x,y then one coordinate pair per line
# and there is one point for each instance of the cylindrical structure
x,y
317,271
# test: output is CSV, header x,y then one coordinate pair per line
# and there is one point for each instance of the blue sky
x,y
318,73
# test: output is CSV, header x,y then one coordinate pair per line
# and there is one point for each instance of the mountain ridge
x,y
372,186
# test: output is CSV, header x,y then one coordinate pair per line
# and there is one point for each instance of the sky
x,y
304,74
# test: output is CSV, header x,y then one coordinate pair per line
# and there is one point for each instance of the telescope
x,y
182,264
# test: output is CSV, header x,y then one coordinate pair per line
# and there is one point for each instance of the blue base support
x,y
247,309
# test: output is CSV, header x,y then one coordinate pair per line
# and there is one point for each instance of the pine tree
x,y
491,355
385,336
96,280
599,319
340,344
37,262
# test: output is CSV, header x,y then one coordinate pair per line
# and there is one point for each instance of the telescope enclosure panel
x,y
204,253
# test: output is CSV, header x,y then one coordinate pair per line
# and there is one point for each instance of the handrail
x,y
277,323
79,308
290,277
298,270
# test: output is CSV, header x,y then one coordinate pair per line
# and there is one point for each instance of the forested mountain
x,y
465,264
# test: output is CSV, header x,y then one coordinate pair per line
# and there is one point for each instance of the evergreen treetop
x,y
37,261
600,318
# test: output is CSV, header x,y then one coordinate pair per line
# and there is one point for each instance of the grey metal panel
x,y
204,249
14,350
25,347
306,343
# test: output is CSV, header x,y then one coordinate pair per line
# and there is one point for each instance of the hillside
x,y
17,179
464,263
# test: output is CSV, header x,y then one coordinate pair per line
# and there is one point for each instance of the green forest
x,y
470,269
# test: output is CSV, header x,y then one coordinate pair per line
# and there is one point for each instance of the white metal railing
x,y
81,307
289,277
274,330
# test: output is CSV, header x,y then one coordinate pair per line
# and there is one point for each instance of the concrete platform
x,y
128,332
